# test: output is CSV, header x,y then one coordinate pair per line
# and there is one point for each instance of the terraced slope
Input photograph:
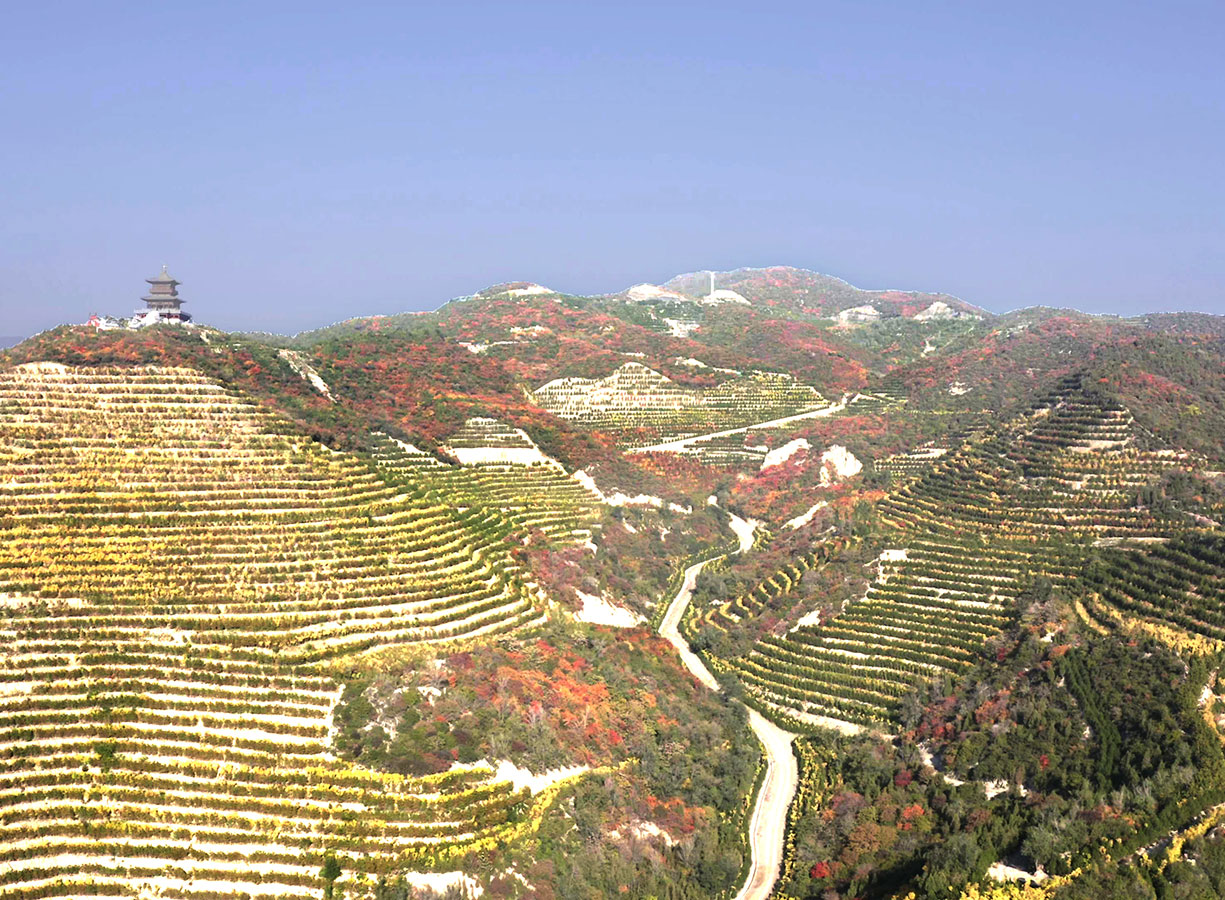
x,y
728,450
972,532
868,402
738,447
1181,584
638,399
175,569
483,440
926,613
505,474
763,596
1074,466
920,460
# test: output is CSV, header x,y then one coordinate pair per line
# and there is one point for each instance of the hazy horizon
x,y
7,340
295,165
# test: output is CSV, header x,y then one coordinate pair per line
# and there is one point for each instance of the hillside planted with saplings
x,y
1038,640
198,695
371,612
180,568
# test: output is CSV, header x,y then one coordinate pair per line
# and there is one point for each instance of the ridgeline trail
x,y
768,824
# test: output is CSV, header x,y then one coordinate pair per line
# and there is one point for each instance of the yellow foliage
x,y
1175,638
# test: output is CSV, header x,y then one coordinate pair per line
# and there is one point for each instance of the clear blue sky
x,y
299,163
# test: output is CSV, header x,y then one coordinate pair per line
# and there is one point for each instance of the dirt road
x,y
768,824
679,445
768,827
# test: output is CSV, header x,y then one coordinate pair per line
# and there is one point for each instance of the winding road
x,y
678,445
768,824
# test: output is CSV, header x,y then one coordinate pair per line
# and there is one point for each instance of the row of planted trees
x,y
169,718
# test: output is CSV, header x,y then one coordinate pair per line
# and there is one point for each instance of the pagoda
x,y
163,302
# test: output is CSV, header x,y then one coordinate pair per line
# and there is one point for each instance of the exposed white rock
x,y
588,482
530,290
859,315
801,520
744,529
405,447
1001,786
838,463
644,830
620,499
298,363
1000,871
640,293
957,388
780,455
599,611
941,311
441,882
698,364
680,329
810,618
724,295
521,778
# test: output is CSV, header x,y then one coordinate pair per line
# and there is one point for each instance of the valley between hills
x,y
748,585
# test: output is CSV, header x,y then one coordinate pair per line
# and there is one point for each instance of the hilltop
x,y
823,295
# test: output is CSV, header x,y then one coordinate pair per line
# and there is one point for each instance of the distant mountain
x,y
10,341
1189,323
821,295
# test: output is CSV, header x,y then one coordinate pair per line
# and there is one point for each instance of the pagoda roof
x,y
162,278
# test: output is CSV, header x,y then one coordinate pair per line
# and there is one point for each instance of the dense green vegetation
x,y
1090,743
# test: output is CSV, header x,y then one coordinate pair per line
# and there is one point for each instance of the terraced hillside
x,y
177,570
1075,465
505,473
768,594
1179,584
888,396
728,450
638,399
919,460
970,534
927,611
